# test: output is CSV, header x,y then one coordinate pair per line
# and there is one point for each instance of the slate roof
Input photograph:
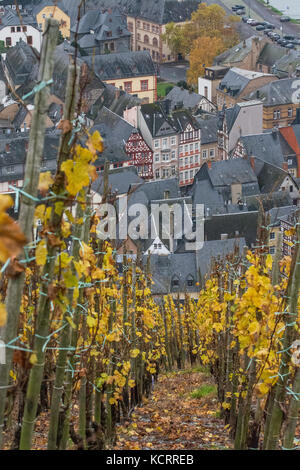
x,y
278,212
46,3
115,132
209,129
271,177
22,62
287,64
155,190
158,122
264,146
270,54
10,18
239,224
175,265
268,201
237,53
119,180
187,98
236,80
122,65
102,22
216,250
275,93
227,172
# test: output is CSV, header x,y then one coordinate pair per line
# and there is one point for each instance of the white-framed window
x,y
156,157
180,149
186,148
165,173
196,158
191,147
186,175
191,160
196,146
290,162
173,140
156,144
186,161
204,154
165,143
290,112
165,157
173,154
157,174
212,153
181,162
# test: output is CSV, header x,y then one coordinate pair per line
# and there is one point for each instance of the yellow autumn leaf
x,y
269,262
2,314
33,359
41,253
134,353
45,182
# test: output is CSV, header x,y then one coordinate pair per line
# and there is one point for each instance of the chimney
x,y
209,164
224,236
252,163
285,166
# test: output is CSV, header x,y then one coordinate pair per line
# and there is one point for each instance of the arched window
x,y
146,39
155,42
190,281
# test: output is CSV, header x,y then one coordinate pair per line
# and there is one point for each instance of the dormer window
x,y
190,281
175,281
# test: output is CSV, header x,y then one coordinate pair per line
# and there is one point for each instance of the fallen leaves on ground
x,y
171,420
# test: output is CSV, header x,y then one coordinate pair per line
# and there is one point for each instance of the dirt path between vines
x,y
172,418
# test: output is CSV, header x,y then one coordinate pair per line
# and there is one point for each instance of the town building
x,y
280,101
180,97
239,83
243,119
14,28
133,72
207,85
53,9
101,32
147,22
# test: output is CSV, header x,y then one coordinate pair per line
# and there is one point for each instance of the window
x,y
156,144
272,236
291,189
165,143
204,154
144,85
8,42
186,161
18,29
186,148
146,39
166,194
190,281
196,146
212,153
173,141
196,158
173,154
155,42
24,29
191,160
156,173
186,175
173,170
128,87
10,169
156,157
29,40
191,147
272,250
165,157
277,114
130,26
290,112
165,173
12,29
175,281
112,46
180,149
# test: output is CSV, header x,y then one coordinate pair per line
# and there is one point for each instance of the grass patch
x,y
163,88
204,391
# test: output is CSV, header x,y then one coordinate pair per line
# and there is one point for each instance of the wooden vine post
x,y
28,200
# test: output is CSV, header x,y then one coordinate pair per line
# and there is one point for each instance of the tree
x,y
208,21
203,52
